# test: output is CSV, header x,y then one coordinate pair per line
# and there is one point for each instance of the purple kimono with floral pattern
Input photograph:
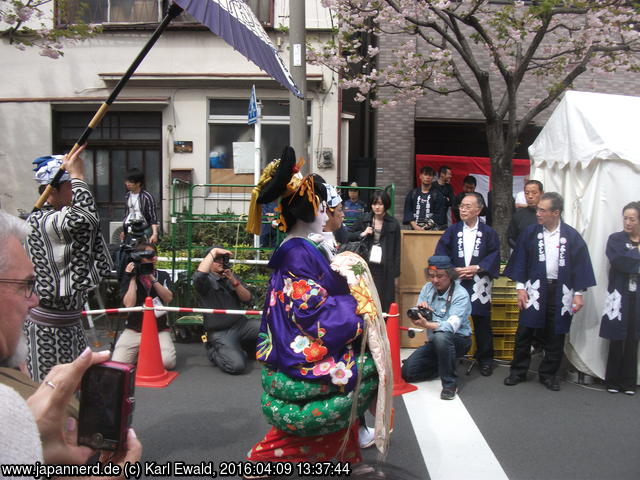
x,y
309,325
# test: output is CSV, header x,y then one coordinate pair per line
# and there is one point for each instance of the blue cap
x,y
440,262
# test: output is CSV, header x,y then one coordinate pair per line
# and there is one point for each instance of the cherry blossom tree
x,y
484,50
30,23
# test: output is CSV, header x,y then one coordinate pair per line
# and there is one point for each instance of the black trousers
x,y
226,348
484,339
622,363
552,343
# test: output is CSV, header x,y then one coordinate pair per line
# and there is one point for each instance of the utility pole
x,y
298,68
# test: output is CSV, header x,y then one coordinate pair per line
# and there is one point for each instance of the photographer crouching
x,y
229,337
443,310
141,279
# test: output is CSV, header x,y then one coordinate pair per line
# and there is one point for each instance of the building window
x,y
137,11
228,124
122,141
263,10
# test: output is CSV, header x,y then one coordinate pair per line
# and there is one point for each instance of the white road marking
x,y
451,444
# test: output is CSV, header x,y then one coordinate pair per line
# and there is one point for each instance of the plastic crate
x,y
503,346
504,294
504,341
503,290
504,331
504,315
504,310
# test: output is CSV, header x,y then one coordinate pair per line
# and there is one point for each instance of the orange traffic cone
x,y
151,371
400,387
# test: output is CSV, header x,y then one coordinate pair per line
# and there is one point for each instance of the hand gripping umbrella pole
x,y
173,11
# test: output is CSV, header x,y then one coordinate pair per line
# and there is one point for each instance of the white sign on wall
x,y
243,153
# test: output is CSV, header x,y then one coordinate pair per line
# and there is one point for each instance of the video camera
x,y
142,268
134,235
415,312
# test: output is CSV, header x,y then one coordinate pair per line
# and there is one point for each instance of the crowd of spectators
x,y
44,286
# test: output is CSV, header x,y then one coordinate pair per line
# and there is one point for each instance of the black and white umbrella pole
x,y
173,11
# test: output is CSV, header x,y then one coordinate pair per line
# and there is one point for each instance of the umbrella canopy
x,y
236,24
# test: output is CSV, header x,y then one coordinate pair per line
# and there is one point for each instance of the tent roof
x,y
589,126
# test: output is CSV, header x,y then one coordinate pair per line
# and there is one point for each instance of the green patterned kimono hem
x,y
305,408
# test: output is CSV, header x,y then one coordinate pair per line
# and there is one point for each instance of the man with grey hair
x,y
16,290
445,315
70,258
35,427
474,249
552,268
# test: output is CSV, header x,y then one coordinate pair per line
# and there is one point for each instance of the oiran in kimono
x,y
322,339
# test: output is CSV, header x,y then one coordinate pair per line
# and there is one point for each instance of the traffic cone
x,y
150,371
400,387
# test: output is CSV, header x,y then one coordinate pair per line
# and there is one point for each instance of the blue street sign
x,y
252,116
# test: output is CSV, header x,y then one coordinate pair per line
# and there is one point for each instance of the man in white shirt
x,y
474,248
551,267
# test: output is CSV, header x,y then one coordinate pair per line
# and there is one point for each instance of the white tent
x,y
589,152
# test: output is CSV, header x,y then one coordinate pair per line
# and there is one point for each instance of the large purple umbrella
x,y
233,21
236,24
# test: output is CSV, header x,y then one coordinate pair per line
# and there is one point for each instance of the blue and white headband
x,y
333,198
46,168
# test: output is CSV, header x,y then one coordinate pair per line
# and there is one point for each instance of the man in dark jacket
x,y
227,335
424,206
523,217
443,184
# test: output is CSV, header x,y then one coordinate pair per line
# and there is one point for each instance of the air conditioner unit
x,y
114,232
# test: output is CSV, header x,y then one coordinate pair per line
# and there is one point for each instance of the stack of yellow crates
x,y
504,317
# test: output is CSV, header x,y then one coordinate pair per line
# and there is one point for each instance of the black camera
x,y
226,263
136,227
142,268
428,224
106,405
414,313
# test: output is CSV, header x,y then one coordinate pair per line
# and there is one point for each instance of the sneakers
x,y
366,436
629,392
613,390
448,393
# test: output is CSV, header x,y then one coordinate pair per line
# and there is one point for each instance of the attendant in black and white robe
x,y
70,257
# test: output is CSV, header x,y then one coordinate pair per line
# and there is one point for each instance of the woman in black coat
x,y
381,230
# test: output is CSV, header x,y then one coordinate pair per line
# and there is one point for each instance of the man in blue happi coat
x,y
552,268
474,249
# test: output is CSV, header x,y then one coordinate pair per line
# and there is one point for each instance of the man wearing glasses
x,y
474,249
447,313
35,417
552,268
70,258
141,280
229,337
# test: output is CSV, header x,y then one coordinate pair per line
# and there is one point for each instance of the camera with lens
x,y
428,223
135,231
142,268
415,312
226,263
